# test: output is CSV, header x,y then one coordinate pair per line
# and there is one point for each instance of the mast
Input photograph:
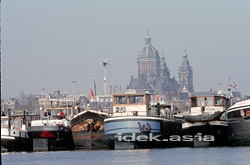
x,y
105,63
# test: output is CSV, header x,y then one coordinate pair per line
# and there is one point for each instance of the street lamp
x,y
73,84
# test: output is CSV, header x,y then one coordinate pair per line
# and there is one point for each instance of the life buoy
x,y
247,113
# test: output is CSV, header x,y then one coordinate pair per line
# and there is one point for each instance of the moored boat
x,y
14,135
52,131
207,118
88,129
134,123
238,117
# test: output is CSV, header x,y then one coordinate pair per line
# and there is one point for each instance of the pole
x,y
74,97
105,63
24,117
95,95
9,126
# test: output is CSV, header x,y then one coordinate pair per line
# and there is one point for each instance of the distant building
x,y
101,103
8,104
154,75
186,74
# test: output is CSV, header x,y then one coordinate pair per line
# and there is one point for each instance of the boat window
x,y
120,109
121,100
17,123
193,102
210,101
201,101
68,112
218,101
55,112
225,102
4,123
234,114
137,99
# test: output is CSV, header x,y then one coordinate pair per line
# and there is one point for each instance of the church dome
x,y
148,51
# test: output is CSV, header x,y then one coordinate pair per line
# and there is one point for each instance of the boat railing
x,y
135,113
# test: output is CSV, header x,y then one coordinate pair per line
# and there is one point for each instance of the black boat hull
x,y
202,132
239,132
16,143
51,138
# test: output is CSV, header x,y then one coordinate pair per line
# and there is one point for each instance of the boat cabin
x,y
208,104
131,104
54,112
239,111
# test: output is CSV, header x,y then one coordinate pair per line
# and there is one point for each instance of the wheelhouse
x,y
131,104
209,101
208,104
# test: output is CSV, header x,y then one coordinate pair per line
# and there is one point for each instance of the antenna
x,y
105,63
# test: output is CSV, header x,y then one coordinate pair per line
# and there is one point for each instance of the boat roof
x,y
240,105
207,96
92,111
129,94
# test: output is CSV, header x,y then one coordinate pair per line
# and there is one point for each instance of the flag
x,y
235,85
230,85
92,93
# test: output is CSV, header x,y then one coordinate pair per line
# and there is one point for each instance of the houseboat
x,y
238,117
135,122
88,129
53,130
14,135
207,120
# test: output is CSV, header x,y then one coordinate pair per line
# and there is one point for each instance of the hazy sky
x,y
49,43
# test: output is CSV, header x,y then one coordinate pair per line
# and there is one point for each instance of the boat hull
x,y
88,130
239,132
12,143
203,130
15,140
85,139
134,128
51,138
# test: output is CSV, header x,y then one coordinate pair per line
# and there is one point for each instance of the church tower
x,y
186,74
153,73
148,62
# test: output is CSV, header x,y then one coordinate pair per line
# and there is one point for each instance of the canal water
x,y
220,155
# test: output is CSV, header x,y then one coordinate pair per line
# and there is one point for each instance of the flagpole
x,y
95,95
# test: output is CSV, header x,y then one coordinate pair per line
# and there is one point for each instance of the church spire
x,y
186,74
185,53
148,39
